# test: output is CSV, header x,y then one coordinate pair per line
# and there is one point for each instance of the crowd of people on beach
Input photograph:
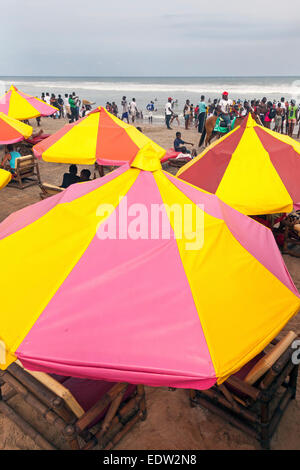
x,y
281,116
284,114
70,106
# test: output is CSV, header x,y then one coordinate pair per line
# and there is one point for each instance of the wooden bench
x,y
27,168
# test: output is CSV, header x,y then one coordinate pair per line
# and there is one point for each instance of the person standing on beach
x,y
292,117
67,109
262,109
72,108
114,109
278,118
201,114
53,102
187,113
60,103
150,109
77,105
282,105
133,110
168,112
270,114
124,105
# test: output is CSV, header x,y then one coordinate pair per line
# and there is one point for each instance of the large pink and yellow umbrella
x,y
98,137
253,169
117,282
5,177
12,130
19,105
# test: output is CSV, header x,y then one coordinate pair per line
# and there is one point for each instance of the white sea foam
x,y
236,88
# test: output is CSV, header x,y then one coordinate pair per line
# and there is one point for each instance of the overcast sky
x,y
154,37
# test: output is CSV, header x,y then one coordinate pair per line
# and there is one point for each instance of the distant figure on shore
x,y
72,108
278,118
67,109
262,109
201,114
114,109
53,102
124,105
282,103
71,177
292,117
133,110
175,118
77,102
168,112
187,113
60,103
150,109
270,114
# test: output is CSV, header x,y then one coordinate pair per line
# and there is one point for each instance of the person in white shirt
x,y
168,112
47,98
133,109
224,109
124,109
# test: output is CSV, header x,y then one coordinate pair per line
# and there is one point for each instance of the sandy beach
x,y
171,422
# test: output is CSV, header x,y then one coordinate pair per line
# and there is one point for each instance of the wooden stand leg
x,y
293,382
143,408
192,398
71,437
265,438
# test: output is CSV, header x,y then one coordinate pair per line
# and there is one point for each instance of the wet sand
x,y
171,423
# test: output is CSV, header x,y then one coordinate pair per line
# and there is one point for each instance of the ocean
x,y
103,89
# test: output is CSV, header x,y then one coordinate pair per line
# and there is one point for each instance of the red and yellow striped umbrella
x,y
12,130
100,136
5,177
19,105
253,169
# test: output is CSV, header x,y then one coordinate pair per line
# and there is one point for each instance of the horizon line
x,y
151,76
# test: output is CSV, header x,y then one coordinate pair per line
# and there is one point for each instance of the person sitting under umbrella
x,y
85,175
9,159
71,177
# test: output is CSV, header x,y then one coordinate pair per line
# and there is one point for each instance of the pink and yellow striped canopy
x,y
19,105
12,130
253,169
5,177
104,293
100,136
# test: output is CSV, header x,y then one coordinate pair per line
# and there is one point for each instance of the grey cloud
x,y
161,37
